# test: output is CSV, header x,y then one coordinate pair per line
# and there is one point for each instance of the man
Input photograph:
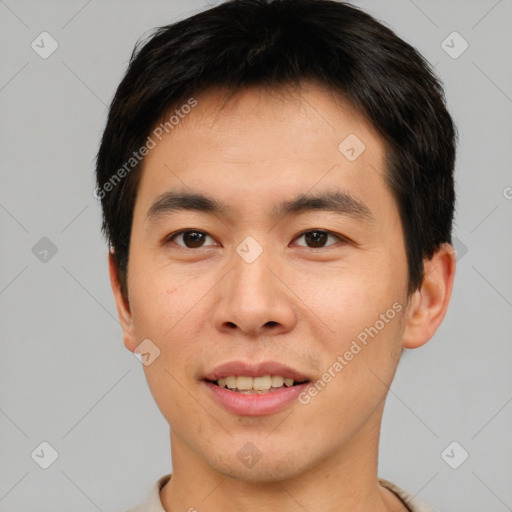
x,y
276,180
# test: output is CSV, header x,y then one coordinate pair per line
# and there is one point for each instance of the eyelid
x,y
169,238
340,238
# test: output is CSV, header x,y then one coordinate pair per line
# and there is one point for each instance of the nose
x,y
254,300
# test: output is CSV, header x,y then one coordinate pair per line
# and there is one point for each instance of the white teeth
x,y
231,382
246,383
277,381
261,383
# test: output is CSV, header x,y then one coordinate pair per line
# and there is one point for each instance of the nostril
x,y
271,323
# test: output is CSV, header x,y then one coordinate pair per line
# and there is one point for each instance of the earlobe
x,y
122,305
428,305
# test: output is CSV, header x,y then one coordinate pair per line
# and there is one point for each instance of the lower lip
x,y
256,404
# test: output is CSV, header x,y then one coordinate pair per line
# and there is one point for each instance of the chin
x,y
265,466
261,473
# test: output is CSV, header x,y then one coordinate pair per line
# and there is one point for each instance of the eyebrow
x,y
337,202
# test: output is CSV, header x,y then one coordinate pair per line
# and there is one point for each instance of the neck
x,y
344,481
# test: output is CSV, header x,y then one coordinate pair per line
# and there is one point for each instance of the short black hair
x,y
272,43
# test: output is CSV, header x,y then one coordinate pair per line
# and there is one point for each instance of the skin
x,y
204,306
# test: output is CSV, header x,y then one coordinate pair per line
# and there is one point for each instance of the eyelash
x,y
323,231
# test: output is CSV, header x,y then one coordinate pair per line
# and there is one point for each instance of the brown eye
x,y
317,239
191,239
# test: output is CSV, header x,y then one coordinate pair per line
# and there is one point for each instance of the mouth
x,y
248,385
246,389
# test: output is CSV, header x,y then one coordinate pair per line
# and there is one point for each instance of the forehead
x,y
261,144
242,121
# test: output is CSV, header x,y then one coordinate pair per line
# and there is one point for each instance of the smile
x,y
255,402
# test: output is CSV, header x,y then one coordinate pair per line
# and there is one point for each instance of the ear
x,y
428,305
123,306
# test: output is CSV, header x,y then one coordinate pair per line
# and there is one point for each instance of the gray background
x,y
66,377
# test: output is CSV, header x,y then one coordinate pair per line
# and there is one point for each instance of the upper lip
x,y
237,368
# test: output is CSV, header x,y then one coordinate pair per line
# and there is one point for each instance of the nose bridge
x,y
252,298
251,278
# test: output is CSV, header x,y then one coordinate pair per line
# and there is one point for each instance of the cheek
x,y
360,362
363,312
348,300
160,297
168,388
170,309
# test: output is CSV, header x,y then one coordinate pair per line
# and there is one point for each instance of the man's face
x,y
208,297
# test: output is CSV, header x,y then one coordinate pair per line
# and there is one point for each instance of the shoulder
x,y
412,503
152,501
